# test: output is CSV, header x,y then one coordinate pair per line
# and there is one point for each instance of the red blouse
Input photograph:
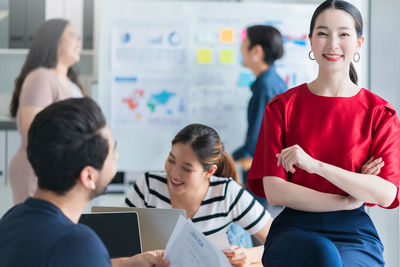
x,y
342,131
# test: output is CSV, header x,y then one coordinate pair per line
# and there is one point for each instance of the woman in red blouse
x,y
313,142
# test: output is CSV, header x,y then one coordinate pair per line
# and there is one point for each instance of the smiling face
x,y
185,174
69,46
334,40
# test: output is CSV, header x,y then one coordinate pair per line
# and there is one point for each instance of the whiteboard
x,y
163,65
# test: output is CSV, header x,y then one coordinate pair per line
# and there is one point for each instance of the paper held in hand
x,y
187,246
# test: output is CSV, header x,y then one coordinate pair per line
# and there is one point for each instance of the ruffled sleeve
x,y
386,144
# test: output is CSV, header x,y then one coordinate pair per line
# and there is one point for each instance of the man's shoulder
x,y
79,234
42,230
78,246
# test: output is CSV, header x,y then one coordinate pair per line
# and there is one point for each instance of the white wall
x,y
384,74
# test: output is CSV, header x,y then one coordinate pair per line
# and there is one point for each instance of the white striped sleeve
x,y
136,196
247,211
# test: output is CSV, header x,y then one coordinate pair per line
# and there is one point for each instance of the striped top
x,y
225,202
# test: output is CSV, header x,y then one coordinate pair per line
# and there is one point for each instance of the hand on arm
x,y
146,259
365,187
372,166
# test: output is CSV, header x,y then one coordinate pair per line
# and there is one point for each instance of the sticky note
x,y
243,35
245,79
226,56
226,35
204,56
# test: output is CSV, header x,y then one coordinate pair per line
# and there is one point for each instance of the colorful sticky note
x,y
204,55
245,79
243,35
226,35
226,56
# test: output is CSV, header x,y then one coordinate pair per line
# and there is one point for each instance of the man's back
x,y
37,233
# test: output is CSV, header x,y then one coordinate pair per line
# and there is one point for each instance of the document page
x,y
220,240
187,246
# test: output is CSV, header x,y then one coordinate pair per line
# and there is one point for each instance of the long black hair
x,y
42,53
350,9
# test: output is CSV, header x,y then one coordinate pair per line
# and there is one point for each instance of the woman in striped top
x,y
198,178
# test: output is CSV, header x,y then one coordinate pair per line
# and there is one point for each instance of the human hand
x,y
295,156
238,256
150,259
372,166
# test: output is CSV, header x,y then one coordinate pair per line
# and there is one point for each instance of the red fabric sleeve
x,y
270,142
386,144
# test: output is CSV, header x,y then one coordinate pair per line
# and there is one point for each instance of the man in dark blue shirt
x,y
72,152
265,87
260,49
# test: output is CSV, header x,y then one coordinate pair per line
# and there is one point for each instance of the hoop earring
x,y
356,56
309,56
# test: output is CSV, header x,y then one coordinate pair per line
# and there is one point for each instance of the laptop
x,y
119,231
156,225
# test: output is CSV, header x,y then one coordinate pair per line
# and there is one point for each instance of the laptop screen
x,y
118,231
156,225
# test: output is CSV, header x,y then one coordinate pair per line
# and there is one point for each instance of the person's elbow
x,y
272,200
272,190
386,199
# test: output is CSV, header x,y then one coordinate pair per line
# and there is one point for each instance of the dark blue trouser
x,y
323,239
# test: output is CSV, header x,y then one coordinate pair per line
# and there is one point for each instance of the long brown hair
x,y
42,53
208,148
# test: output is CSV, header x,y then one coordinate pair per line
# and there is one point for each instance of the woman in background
x,y
200,177
46,77
313,142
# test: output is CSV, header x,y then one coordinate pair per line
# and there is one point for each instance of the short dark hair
x,y
63,139
350,9
269,38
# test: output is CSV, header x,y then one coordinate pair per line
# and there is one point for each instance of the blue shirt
x,y
37,233
265,87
